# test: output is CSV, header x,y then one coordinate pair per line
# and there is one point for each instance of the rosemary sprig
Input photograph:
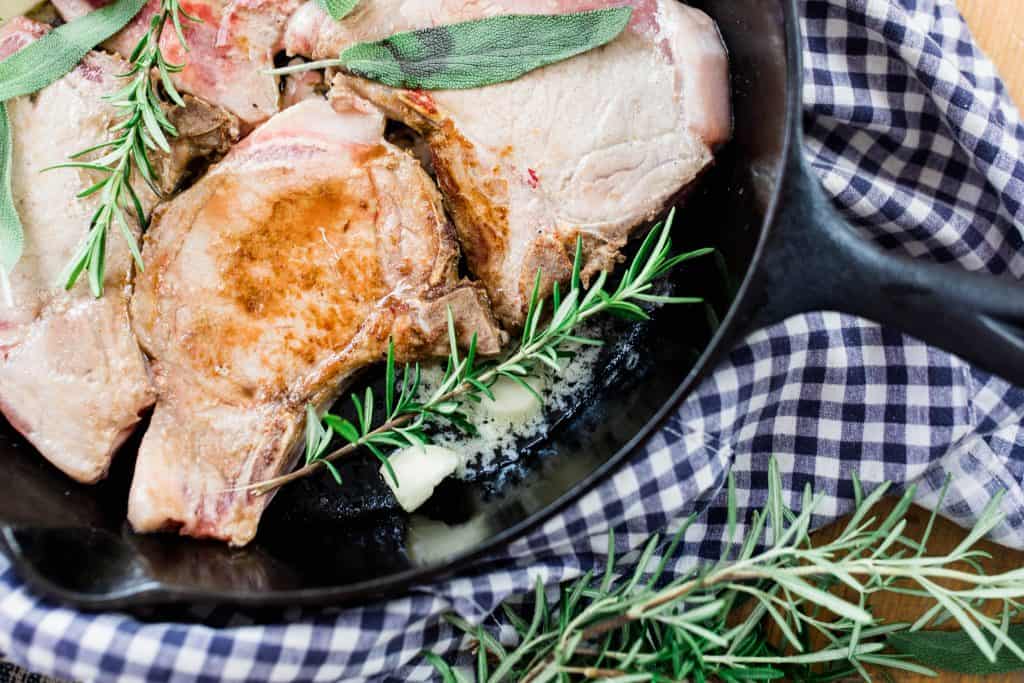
x,y
144,127
627,626
545,341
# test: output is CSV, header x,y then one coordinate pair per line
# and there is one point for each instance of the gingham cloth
x,y
912,131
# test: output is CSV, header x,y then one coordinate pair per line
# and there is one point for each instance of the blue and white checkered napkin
x,y
913,133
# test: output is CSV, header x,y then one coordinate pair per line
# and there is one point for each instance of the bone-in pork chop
x,y
593,146
272,281
230,48
72,377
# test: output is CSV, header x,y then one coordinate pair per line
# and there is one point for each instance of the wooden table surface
x,y
998,25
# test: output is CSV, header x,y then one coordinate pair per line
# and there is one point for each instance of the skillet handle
x,y
815,261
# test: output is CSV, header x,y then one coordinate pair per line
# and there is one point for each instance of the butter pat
x,y
512,403
419,470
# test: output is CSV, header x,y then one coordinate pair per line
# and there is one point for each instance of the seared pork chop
x,y
72,377
273,280
230,48
594,146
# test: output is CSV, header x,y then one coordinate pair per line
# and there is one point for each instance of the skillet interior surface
x,y
319,543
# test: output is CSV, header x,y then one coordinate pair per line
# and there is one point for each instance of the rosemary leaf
x,y
446,672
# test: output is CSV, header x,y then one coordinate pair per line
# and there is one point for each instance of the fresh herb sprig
x,y
476,53
545,341
633,626
27,71
144,127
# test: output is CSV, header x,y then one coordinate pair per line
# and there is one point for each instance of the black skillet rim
x,y
364,592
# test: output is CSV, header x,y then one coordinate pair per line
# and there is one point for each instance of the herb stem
x,y
143,127
265,487
304,66
591,673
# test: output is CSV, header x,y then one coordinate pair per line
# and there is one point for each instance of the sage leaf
x,y
955,651
338,9
55,54
12,237
478,53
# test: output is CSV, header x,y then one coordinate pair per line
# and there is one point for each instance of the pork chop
x,y
72,377
270,283
230,48
594,146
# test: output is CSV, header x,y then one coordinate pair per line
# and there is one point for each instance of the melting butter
x,y
418,469
517,416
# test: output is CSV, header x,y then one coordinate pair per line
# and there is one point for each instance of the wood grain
x,y
998,26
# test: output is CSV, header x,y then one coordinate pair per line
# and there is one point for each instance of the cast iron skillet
x,y
783,251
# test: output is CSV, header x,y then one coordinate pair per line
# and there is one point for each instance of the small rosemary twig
x,y
143,127
544,343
